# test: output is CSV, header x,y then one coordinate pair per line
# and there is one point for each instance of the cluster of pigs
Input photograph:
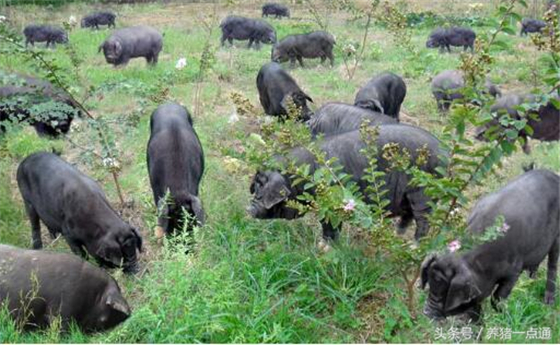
x,y
73,205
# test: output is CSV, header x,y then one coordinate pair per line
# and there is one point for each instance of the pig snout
x,y
252,210
432,313
132,268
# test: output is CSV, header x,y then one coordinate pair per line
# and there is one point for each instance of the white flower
x,y
349,205
233,118
181,63
454,212
72,21
454,246
2,18
111,163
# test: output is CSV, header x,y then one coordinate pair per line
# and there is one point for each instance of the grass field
x,y
250,280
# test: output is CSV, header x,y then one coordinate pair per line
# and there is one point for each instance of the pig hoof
x,y
159,232
323,246
549,298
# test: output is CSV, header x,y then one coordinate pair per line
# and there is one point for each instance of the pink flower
x,y
454,246
504,228
350,205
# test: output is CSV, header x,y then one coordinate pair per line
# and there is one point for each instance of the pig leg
x,y
35,226
329,232
222,40
300,59
250,43
419,205
552,272
504,289
75,246
331,57
292,61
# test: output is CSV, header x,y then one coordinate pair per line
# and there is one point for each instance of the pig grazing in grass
x,y
318,44
241,28
175,165
274,9
98,18
73,205
44,33
271,190
276,87
529,26
455,36
459,283
39,286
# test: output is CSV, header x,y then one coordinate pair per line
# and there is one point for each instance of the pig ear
x,y
118,47
109,250
425,269
461,290
284,101
117,302
196,207
304,95
272,199
378,106
253,183
252,189
138,239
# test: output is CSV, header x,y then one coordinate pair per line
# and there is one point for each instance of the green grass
x,y
251,280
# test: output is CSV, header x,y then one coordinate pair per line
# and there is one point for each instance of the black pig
x,y
276,87
459,283
39,286
241,28
72,204
529,25
384,93
175,165
544,120
455,36
98,18
448,86
22,97
136,41
44,33
272,190
337,118
318,44
274,9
